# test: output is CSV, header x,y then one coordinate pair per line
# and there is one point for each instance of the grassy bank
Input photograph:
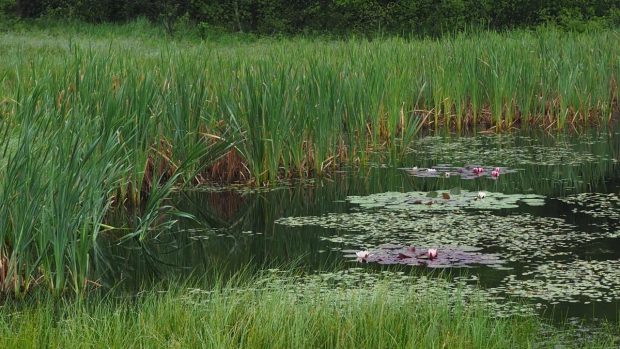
x,y
89,122
277,318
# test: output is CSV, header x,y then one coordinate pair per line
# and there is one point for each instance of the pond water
x,y
544,230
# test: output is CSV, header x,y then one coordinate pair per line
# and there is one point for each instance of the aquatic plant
x,y
464,172
446,257
524,150
453,199
597,205
71,152
362,255
572,281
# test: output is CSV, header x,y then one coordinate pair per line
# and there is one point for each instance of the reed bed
x,y
302,107
87,124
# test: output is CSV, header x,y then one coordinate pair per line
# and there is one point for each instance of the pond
x,y
531,218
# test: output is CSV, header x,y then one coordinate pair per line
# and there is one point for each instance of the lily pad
x,y
597,205
573,281
434,201
513,237
464,172
493,149
446,257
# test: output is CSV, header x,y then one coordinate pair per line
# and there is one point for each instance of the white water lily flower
x,y
362,254
431,170
482,195
432,253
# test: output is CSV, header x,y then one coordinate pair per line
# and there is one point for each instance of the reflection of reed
x,y
226,204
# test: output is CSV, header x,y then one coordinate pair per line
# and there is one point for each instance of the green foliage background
x,y
419,17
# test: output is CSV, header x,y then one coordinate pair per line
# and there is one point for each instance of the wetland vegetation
x,y
129,159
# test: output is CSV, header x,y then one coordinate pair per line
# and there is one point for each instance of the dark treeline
x,y
422,17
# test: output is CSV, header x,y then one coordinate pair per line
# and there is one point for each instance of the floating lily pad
x,y
597,205
464,172
493,149
446,257
573,281
437,201
514,237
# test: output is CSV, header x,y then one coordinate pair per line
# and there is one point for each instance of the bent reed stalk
x,y
123,123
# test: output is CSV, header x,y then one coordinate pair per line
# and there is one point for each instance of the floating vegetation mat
x,y
514,237
576,281
452,199
597,205
503,149
467,230
446,258
464,172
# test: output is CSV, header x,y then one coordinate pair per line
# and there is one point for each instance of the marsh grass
x,y
246,316
303,107
72,150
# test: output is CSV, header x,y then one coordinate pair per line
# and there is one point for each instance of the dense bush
x,y
422,17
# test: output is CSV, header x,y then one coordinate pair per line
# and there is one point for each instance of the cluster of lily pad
x,y
464,172
447,257
597,205
492,149
464,226
517,237
452,199
576,281
446,200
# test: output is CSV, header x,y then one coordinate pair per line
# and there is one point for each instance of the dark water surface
x,y
560,252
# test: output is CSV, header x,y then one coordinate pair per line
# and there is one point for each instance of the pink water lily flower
x,y
432,253
494,173
362,255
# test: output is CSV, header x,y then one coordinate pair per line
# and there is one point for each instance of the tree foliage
x,y
422,17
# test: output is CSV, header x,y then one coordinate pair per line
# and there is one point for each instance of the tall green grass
x,y
72,149
275,318
303,106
